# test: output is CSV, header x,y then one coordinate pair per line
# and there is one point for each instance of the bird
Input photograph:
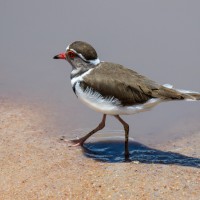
x,y
113,89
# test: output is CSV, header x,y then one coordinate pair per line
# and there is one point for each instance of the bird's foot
x,y
74,142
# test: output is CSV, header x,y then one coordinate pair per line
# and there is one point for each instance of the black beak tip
x,y
56,57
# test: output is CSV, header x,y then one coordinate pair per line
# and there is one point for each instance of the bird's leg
x,y
126,128
80,141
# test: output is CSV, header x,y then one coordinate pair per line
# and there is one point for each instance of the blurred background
x,y
160,39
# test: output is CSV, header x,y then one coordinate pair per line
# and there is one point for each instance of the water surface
x,y
158,39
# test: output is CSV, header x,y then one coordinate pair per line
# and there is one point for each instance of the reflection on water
x,y
113,151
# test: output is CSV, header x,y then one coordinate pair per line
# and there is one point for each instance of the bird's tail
x,y
191,95
184,94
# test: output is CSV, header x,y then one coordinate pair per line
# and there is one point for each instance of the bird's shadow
x,y
113,152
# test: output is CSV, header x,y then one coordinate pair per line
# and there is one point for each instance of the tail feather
x,y
194,95
181,94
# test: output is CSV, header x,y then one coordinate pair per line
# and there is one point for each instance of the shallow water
x,y
157,39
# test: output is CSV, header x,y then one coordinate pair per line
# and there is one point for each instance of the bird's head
x,y
80,55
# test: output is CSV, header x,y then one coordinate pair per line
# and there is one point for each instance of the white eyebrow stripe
x,y
67,48
94,62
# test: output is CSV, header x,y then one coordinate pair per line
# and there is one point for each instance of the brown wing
x,y
112,80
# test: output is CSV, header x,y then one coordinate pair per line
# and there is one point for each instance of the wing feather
x,y
113,80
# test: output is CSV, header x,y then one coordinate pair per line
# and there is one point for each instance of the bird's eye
x,y
71,54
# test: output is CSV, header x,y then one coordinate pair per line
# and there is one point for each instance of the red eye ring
x,y
71,54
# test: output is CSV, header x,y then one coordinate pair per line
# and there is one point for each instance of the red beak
x,y
60,56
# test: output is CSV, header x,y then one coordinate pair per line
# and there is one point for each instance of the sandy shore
x,y
35,165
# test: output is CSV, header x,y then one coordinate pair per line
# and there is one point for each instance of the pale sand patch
x,y
34,165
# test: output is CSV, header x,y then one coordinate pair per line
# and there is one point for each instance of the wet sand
x,y
36,165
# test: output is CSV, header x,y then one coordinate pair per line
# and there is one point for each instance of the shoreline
x,y
36,165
